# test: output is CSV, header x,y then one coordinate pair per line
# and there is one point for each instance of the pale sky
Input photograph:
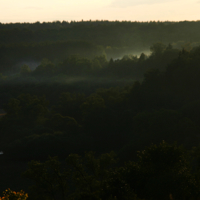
x,y
67,10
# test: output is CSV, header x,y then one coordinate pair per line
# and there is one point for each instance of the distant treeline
x,y
117,34
60,39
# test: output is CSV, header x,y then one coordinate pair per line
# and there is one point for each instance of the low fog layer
x,y
134,53
33,64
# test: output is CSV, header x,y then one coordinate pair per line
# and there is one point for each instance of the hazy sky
x,y
133,10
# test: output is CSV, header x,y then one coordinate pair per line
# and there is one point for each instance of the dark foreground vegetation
x,y
66,92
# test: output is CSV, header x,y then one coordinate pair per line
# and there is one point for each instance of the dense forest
x,y
100,110
58,40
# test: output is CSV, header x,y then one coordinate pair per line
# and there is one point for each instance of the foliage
x,y
160,171
12,195
49,180
89,177
157,49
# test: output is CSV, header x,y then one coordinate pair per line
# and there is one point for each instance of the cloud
x,y
33,8
127,3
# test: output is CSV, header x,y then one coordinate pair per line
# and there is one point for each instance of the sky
x,y
70,10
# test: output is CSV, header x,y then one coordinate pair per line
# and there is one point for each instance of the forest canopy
x,y
70,92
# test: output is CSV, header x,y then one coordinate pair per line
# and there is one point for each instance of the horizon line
x,y
82,21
